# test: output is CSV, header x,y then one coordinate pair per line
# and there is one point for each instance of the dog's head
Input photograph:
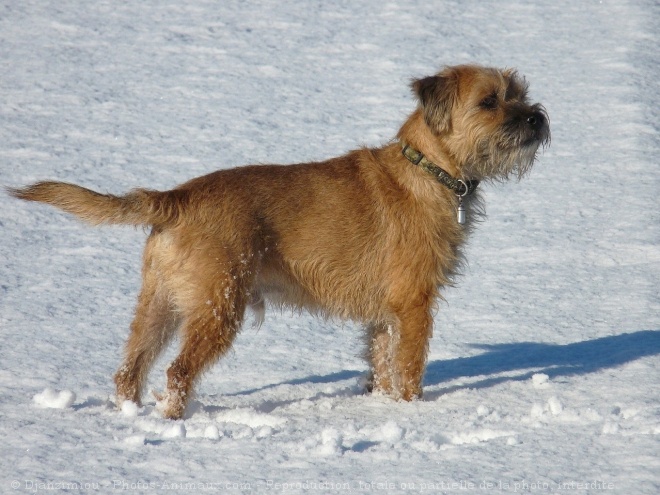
x,y
483,120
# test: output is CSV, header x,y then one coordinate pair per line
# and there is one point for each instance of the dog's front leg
x,y
383,340
397,354
414,333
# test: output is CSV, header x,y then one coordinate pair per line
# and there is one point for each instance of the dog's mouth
x,y
530,143
534,141
541,136
525,140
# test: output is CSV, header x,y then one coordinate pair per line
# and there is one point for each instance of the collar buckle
x,y
412,155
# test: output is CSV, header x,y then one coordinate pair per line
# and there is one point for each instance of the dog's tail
x,y
138,207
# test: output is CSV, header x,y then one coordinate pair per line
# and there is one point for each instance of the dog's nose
x,y
536,120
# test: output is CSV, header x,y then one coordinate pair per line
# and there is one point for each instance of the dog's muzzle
x,y
537,123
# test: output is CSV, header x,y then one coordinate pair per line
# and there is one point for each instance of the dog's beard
x,y
495,163
511,156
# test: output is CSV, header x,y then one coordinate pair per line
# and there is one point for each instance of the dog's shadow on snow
x,y
517,362
529,358
315,379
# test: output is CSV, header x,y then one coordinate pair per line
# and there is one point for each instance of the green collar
x,y
461,187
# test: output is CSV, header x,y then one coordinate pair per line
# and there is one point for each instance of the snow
x,y
543,372
54,399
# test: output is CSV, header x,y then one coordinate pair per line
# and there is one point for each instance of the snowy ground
x,y
544,371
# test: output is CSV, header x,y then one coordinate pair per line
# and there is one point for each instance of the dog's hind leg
x,y
212,316
151,330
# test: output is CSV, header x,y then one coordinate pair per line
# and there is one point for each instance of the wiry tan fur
x,y
367,236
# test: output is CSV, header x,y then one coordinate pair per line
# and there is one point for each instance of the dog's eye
x,y
489,103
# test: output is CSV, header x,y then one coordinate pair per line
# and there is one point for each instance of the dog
x,y
370,236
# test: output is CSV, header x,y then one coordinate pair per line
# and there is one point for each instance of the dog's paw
x,y
170,405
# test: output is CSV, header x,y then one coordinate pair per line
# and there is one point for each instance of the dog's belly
x,y
335,294
281,290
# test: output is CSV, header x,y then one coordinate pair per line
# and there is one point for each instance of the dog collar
x,y
461,187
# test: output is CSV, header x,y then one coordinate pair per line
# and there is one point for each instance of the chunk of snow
x,y
177,430
135,440
55,400
212,432
129,409
331,443
483,411
555,406
537,411
390,433
478,436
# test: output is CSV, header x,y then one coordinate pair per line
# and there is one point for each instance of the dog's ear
x,y
437,95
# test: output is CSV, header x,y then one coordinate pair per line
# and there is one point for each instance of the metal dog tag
x,y
462,216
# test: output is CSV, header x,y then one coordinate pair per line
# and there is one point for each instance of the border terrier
x,y
370,236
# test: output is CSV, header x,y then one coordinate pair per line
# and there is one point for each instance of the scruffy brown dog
x,y
370,236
